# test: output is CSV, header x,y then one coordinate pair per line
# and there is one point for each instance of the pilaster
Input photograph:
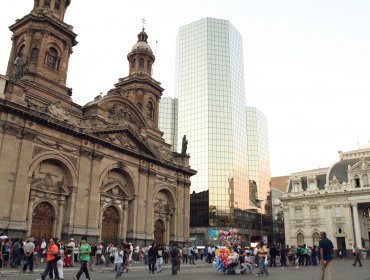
x,y
94,197
22,187
356,223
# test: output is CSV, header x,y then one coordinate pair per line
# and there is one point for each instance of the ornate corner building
x,y
102,170
335,200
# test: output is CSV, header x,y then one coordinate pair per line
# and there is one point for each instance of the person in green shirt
x,y
85,251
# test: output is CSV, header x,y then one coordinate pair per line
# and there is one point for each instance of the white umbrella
x,y
3,237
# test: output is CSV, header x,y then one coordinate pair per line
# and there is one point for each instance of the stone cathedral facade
x,y
102,170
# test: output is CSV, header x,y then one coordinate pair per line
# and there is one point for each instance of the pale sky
x,y
307,63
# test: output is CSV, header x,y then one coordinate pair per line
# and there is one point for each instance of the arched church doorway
x,y
42,221
110,224
159,232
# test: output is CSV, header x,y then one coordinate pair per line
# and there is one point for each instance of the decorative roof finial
x,y
143,20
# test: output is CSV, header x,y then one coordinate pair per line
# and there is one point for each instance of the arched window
x,y
20,50
141,63
52,58
357,182
34,55
148,65
300,239
57,4
315,239
133,64
150,110
47,3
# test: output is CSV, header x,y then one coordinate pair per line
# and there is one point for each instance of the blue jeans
x,y
262,266
159,264
118,269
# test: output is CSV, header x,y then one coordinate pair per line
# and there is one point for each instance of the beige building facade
x,y
335,200
102,170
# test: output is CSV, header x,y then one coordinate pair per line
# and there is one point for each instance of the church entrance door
x,y
159,232
110,224
42,221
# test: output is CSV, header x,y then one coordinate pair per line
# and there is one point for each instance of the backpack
x,y
174,253
16,247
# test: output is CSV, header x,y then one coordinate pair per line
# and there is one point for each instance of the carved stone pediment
x,y
49,185
115,189
120,139
124,136
362,165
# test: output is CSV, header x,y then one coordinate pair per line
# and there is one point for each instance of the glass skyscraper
x,y
210,92
258,154
227,141
168,120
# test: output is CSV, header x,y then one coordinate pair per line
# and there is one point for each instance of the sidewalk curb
x,y
9,272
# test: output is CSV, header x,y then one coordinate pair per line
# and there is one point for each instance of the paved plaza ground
x,y
343,270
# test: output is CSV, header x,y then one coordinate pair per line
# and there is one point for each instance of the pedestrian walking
x,y
175,262
160,259
84,251
152,257
326,256
118,261
357,257
262,259
51,258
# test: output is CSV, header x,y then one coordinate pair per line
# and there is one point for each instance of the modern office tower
x,y
168,120
210,92
258,155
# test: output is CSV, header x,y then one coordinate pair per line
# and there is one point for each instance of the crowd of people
x,y
55,254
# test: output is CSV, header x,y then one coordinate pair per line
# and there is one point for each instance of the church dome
x,y
142,43
142,46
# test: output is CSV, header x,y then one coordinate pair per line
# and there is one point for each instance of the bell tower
x,y
139,86
42,45
141,57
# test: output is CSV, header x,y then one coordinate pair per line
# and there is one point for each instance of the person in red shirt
x,y
51,254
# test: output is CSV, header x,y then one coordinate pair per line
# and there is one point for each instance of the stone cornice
x,y
324,194
58,25
47,120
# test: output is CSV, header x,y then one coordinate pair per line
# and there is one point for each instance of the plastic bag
x,y
266,261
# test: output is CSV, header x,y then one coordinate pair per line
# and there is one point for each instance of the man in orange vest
x,y
51,253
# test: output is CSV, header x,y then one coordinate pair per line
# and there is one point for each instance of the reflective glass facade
x,y
168,120
211,113
258,154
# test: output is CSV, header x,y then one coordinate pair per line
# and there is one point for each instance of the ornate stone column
x,y
101,209
356,223
125,219
71,213
168,229
31,203
55,224
61,202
